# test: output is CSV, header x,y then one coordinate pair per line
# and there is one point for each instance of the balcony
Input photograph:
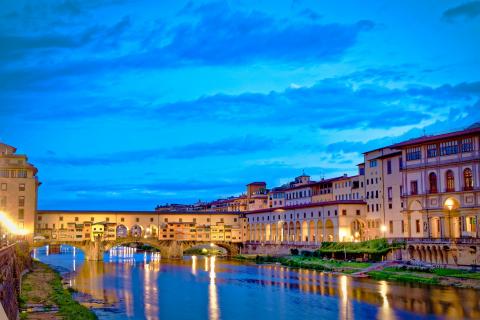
x,y
450,190
469,188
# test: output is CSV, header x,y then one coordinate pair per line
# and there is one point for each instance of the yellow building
x,y
18,193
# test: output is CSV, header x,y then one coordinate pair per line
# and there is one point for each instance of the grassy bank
x,y
310,262
442,276
44,295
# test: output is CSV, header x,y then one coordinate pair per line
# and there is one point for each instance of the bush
x,y
306,253
294,252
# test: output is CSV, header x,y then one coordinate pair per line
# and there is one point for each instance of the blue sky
x,y
125,105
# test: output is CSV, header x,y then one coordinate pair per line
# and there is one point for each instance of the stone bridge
x,y
94,250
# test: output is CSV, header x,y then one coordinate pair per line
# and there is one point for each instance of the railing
x,y
432,240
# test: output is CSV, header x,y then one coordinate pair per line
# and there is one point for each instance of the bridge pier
x,y
94,250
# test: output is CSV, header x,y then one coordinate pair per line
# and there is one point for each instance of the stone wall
x,y
14,259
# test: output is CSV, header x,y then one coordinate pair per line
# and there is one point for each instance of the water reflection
x,y
135,285
213,310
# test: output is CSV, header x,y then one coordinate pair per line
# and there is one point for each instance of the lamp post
x,y
383,228
449,204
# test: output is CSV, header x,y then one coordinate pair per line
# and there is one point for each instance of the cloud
x,y
225,147
212,34
329,104
467,10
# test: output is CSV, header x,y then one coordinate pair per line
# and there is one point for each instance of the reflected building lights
x,y
213,310
385,311
194,265
345,306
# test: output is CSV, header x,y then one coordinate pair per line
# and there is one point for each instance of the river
x,y
131,285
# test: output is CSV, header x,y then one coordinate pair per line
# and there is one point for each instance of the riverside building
x,y
18,193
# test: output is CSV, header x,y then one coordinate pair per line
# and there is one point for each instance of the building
x,y
441,185
18,192
257,197
308,223
382,188
78,225
300,191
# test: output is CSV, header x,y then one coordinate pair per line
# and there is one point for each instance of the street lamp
x,y
449,204
383,228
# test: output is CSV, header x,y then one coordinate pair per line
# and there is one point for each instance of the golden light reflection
x,y
345,311
213,310
385,310
194,265
151,289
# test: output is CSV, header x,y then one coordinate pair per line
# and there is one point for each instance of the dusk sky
x,y
126,105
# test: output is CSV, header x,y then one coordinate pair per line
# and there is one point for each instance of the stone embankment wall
x,y
273,249
14,260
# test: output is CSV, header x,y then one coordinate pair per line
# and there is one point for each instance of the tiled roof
x,y
425,139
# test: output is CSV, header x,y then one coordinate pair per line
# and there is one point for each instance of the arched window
x,y
432,178
468,179
450,181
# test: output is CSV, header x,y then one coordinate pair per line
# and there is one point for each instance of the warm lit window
x,y
21,187
450,181
468,179
21,201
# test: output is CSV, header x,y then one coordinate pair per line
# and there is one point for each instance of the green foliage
x,y
294,252
402,277
376,246
69,308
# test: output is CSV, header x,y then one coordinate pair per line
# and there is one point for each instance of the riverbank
x,y
380,271
314,263
44,297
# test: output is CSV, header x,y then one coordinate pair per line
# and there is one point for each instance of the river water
x,y
131,285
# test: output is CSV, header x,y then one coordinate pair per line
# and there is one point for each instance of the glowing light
x,y
10,225
383,228
449,203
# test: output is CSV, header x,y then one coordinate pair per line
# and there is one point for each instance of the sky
x,y
123,105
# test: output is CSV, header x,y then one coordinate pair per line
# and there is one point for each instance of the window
x,y
344,212
432,180
400,163
431,151
450,181
122,219
358,212
22,173
21,214
417,225
414,153
91,219
389,167
21,187
390,226
467,145
107,219
76,218
390,193
468,179
151,219
4,187
373,163
449,147
403,226
60,218
413,187
21,201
